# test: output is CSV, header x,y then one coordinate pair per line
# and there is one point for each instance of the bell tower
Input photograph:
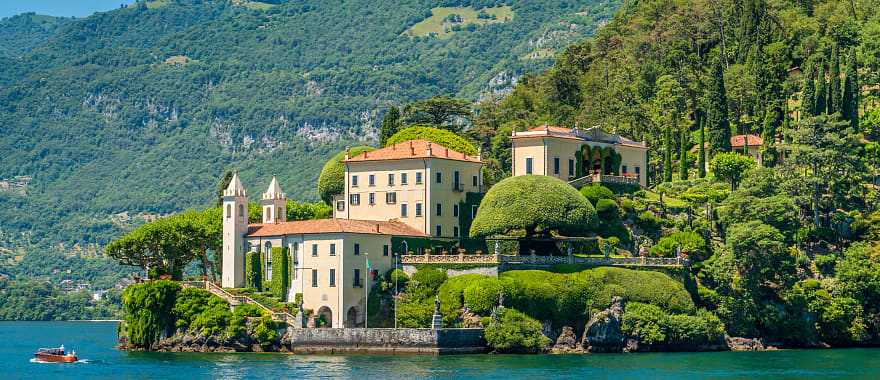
x,y
235,226
274,203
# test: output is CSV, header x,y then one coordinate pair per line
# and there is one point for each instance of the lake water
x,y
94,342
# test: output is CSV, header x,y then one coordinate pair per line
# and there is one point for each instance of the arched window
x,y
240,210
268,214
278,213
228,211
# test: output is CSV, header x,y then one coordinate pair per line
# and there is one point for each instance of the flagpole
x,y
366,289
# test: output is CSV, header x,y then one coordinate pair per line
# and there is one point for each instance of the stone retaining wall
x,y
452,272
385,340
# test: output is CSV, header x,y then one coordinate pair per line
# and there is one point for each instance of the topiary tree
x,y
332,179
435,135
531,205
515,332
731,167
594,192
253,270
280,272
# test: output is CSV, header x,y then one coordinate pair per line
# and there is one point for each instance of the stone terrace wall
x,y
382,340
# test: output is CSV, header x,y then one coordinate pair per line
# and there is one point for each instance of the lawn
x,y
436,24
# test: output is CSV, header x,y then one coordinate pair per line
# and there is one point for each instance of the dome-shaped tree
x,y
437,136
533,205
332,179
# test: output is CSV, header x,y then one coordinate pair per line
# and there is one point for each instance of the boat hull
x,y
55,358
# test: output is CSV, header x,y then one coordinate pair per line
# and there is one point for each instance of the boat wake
x,y
80,361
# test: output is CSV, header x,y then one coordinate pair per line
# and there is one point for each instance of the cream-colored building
x,y
568,154
419,183
414,189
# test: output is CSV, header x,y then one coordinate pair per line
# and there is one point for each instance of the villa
x,y
401,198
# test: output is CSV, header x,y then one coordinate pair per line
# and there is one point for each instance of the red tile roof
x,y
333,225
412,149
740,140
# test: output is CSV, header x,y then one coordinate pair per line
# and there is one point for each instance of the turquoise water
x,y
94,341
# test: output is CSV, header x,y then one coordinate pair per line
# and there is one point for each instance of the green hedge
x,y
253,269
148,311
515,332
280,272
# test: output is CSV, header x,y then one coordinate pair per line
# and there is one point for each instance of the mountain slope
x,y
138,111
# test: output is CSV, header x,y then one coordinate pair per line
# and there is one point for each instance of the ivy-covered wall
x,y
280,272
253,270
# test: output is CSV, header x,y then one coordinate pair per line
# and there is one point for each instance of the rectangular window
x,y
403,210
529,165
332,249
340,206
637,170
473,211
624,169
372,180
333,278
418,178
455,231
391,198
456,180
372,198
555,165
403,179
354,181
314,250
357,249
357,278
476,181
354,199
570,168
455,210
439,176
390,179
418,209
439,209
439,230
385,250
314,278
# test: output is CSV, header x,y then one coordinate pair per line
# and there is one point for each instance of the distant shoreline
x,y
64,320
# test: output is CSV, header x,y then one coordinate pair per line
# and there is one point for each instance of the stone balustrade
x,y
537,260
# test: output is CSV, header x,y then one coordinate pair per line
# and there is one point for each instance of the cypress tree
x,y
718,122
808,93
849,104
390,125
667,157
821,105
834,91
701,161
683,155
773,119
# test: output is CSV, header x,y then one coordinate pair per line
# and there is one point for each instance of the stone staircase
x,y
235,300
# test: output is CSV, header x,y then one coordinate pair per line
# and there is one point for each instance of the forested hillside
x,y
142,109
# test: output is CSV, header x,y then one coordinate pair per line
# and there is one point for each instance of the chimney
x,y
347,152
447,152
429,151
479,153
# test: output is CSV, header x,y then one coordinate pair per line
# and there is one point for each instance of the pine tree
x,y
834,91
390,125
849,104
683,155
808,93
701,161
667,158
718,122
821,105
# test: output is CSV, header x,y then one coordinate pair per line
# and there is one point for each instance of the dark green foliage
x,y
199,310
821,100
667,157
332,179
849,107
594,192
684,145
148,311
778,211
808,93
280,272
834,89
439,111
731,167
608,210
533,204
438,136
390,125
37,300
222,185
253,270
717,120
701,160
515,332
760,255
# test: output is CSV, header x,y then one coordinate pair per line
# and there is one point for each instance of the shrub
x,y
533,204
414,314
397,275
641,194
280,272
515,332
438,136
595,192
253,270
148,311
429,278
826,263
648,221
191,303
332,179
651,325
263,326
731,167
607,210
690,243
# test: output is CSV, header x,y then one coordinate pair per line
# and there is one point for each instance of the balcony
x,y
458,187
